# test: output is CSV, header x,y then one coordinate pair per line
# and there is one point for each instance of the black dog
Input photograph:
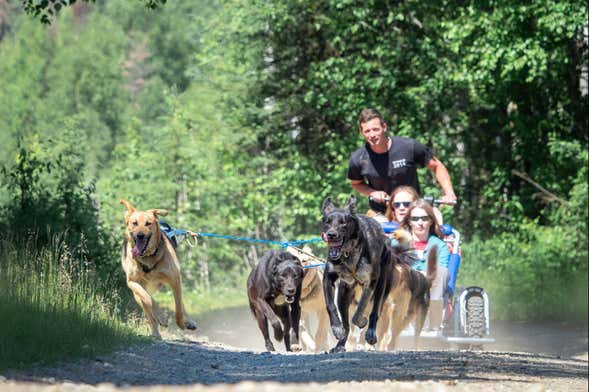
x,y
274,291
357,256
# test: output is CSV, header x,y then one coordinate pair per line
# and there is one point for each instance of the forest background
x,y
239,116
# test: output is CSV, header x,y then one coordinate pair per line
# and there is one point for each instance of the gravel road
x,y
220,357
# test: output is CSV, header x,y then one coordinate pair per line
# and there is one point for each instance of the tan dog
x,y
312,303
408,299
149,260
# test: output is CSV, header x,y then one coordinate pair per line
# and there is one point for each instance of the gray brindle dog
x,y
357,255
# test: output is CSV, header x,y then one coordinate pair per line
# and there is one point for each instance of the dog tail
x,y
402,251
403,238
432,265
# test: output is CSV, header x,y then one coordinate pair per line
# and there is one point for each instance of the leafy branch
x,y
47,10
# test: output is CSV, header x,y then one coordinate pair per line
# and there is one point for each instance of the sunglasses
x,y
424,218
398,204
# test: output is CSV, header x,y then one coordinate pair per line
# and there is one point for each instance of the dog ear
x,y
130,209
127,204
351,204
158,212
327,206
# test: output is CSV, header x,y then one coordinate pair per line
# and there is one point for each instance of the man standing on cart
x,y
386,162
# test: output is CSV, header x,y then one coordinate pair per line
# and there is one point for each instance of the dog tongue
x,y
139,247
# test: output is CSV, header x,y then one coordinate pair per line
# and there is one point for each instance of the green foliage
x,y
239,116
50,194
482,84
24,58
536,272
493,88
47,82
53,307
515,59
47,11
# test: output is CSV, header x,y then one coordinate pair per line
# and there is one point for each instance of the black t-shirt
x,y
385,172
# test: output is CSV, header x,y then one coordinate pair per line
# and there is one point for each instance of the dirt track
x,y
193,363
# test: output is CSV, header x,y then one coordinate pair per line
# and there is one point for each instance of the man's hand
x,y
361,187
449,199
379,197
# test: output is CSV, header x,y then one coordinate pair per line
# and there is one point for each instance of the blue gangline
x,y
283,244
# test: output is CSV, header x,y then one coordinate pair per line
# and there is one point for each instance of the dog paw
x,y
360,321
294,342
190,325
163,322
339,332
370,337
338,349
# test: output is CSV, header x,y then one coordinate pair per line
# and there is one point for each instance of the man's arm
x,y
363,188
443,179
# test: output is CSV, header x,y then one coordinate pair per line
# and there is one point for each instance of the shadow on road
x,y
524,353
186,362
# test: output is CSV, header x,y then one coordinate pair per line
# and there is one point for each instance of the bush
x,y
51,194
535,273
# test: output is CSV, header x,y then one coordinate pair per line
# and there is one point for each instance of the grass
x,y
53,308
531,275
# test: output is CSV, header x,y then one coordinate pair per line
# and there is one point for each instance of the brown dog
x,y
408,299
149,260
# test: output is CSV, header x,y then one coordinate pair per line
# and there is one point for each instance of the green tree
x,y
487,85
48,77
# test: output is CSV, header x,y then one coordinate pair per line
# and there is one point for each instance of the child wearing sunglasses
x,y
420,220
399,202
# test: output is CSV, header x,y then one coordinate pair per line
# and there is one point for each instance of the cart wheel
x,y
475,317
